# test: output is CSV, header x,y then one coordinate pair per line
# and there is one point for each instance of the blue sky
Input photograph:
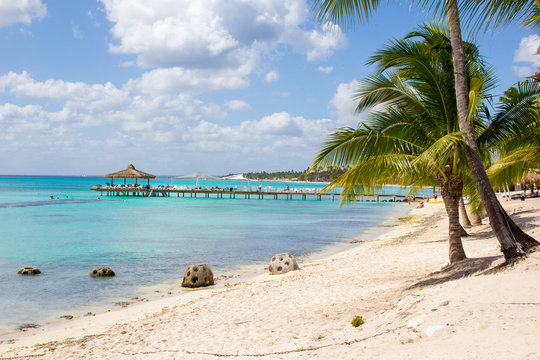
x,y
174,87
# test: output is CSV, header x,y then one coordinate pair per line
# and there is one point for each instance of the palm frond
x,y
511,168
439,154
487,14
344,12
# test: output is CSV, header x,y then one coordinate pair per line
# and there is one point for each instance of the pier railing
x,y
265,193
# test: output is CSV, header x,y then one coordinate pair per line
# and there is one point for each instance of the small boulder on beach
x,y
282,263
25,327
102,272
29,271
198,275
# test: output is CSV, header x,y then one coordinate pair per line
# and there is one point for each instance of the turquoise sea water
x,y
147,241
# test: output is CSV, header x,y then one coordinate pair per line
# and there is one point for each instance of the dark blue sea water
x,y
147,241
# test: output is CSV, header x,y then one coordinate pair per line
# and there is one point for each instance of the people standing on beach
x,y
435,195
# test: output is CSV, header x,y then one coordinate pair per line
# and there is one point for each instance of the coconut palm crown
x,y
411,135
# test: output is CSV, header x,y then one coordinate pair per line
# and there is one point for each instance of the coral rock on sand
x,y
282,263
198,275
29,271
102,272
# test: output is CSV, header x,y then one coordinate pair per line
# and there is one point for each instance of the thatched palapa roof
x,y
532,177
130,172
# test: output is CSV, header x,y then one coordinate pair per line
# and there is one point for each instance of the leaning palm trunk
x,y
464,217
526,242
451,190
498,219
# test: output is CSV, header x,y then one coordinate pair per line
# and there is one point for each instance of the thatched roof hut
x,y
532,177
130,173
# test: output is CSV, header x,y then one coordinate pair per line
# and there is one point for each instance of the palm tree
x,y
348,12
415,138
517,125
509,139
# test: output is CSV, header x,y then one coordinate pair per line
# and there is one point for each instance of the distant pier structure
x,y
144,191
246,192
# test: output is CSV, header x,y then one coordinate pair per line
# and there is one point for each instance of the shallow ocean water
x,y
147,241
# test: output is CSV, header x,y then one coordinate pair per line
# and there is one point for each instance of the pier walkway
x,y
246,194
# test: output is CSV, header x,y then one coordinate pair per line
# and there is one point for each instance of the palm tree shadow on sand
x,y
461,269
475,266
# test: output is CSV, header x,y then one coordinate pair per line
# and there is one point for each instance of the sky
x,y
174,87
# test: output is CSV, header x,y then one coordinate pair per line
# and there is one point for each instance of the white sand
x,y
410,312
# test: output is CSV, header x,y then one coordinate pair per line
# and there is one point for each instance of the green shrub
x,y
357,321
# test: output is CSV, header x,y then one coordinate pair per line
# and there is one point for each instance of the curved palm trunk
x,y
464,217
476,219
506,235
451,190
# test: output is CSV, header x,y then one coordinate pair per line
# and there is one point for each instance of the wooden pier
x,y
234,194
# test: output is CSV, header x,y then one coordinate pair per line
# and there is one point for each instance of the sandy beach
x,y
413,306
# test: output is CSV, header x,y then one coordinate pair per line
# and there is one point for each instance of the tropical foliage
x,y
518,149
514,242
325,175
412,135
482,14
509,137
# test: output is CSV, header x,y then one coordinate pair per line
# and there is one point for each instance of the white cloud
x,y
325,69
161,128
224,39
276,133
177,79
271,76
523,71
31,127
527,50
21,11
188,49
75,94
237,105
169,33
319,45
344,104
526,57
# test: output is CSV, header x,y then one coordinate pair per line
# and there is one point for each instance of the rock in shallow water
x,y
198,275
29,271
102,272
282,263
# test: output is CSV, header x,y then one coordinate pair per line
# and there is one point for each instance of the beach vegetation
x,y
411,133
357,321
292,175
510,138
514,242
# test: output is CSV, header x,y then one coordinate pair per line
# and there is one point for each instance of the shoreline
x,y
411,303
110,314
172,288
